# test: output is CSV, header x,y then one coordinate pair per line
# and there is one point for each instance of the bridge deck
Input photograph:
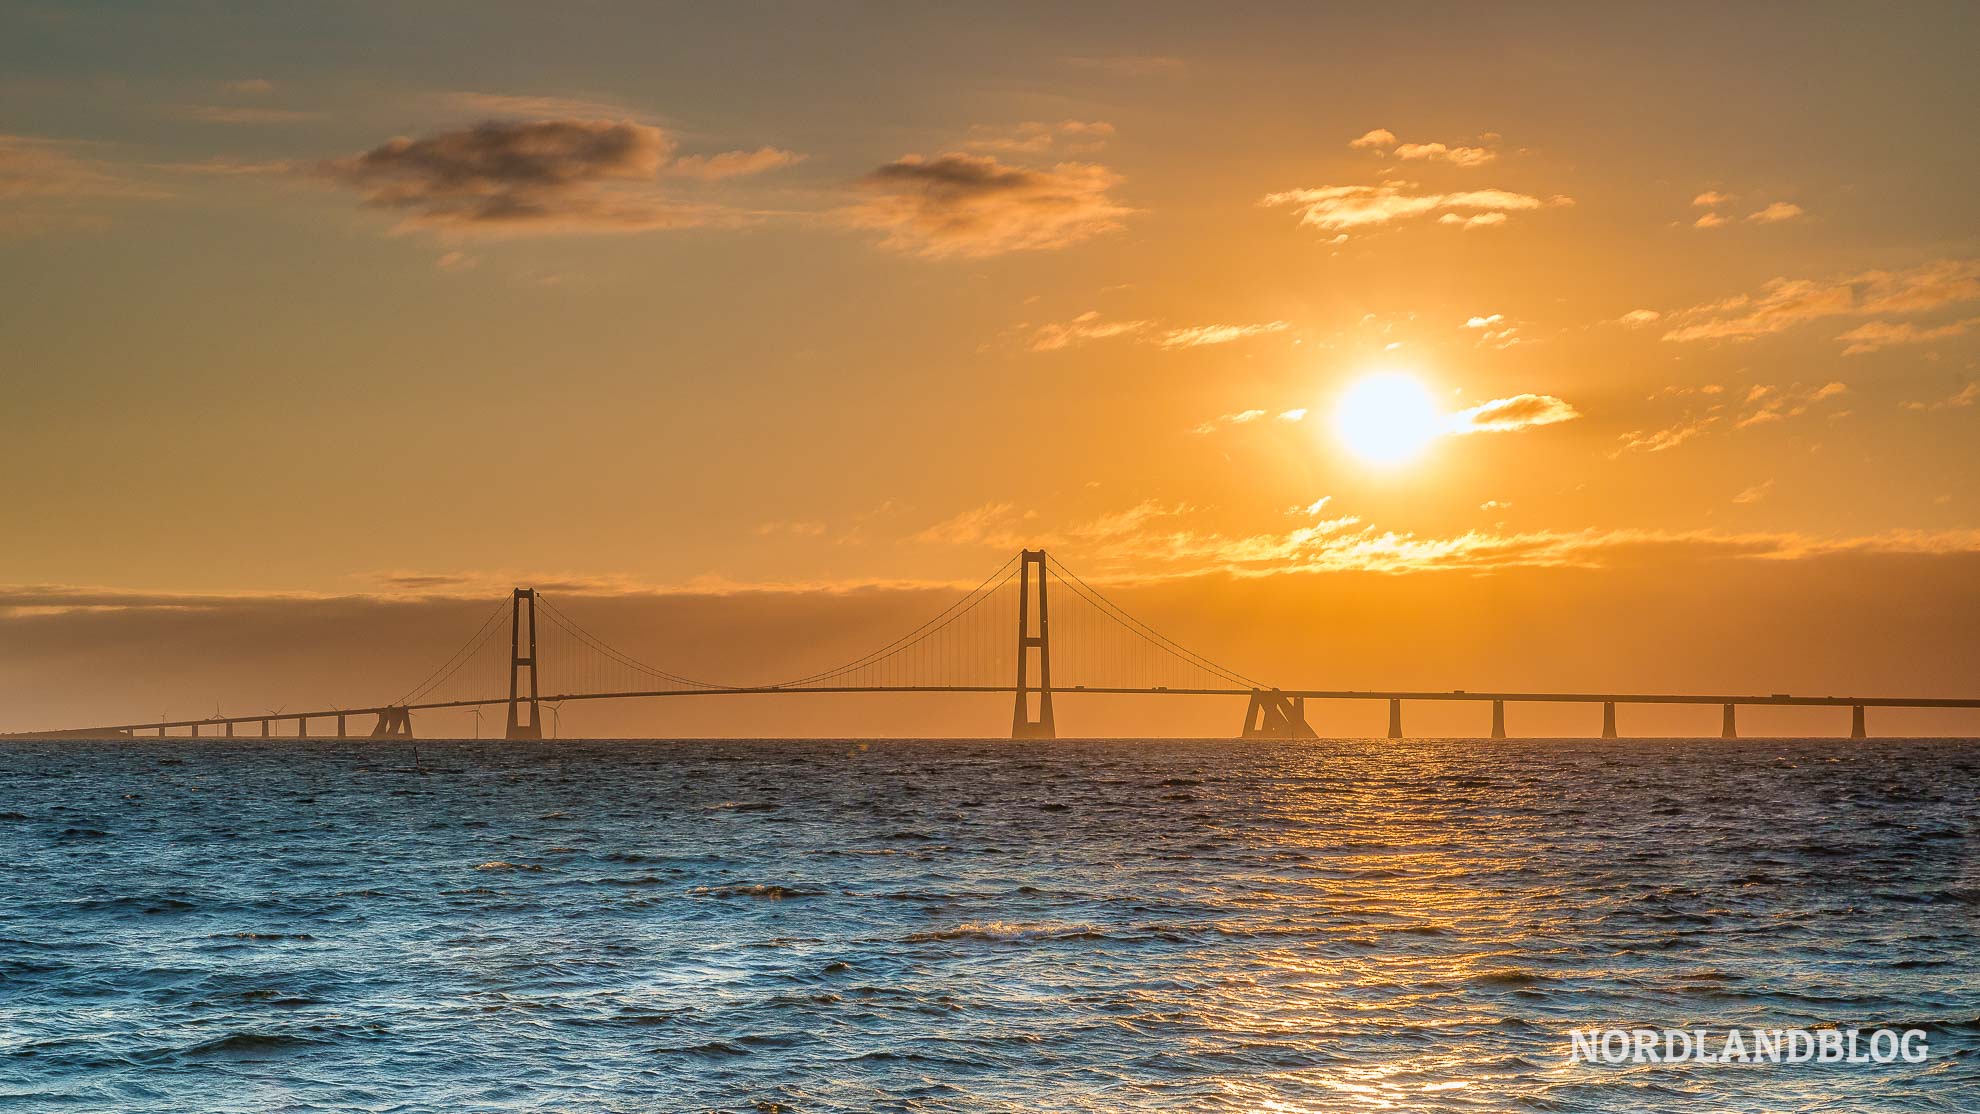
x,y
1746,700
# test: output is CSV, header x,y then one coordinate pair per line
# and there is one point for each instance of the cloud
x,y
1504,415
567,175
1153,541
252,86
1459,156
1087,326
1196,336
1127,523
1783,303
1709,220
1497,331
1872,335
1755,493
1239,417
992,524
800,529
1661,440
732,164
1775,404
1776,213
1500,415
47,184
961,204
1710,198
41,168
1680,391
1384,140
1347,208
1966,396
239,114
1637,318
1764,404
1034,136
524,106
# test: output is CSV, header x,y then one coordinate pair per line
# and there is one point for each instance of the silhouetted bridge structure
x,y
1095,647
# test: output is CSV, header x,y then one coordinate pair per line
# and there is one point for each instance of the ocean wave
x,y
772,892
1007,932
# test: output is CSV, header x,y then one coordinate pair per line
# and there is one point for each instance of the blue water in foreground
x,y
949,926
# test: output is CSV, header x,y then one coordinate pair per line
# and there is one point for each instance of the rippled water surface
x,y
816,926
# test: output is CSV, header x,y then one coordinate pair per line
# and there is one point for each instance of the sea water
x,y
233,925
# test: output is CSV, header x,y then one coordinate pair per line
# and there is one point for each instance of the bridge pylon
x,y
1023,724
393,723
519,726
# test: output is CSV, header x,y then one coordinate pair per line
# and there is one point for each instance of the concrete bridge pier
x,y
1273,715
1395,719
1608,719
302,727
264,729
1498,719
393,723
1727,730
341,733
1856,728
230,729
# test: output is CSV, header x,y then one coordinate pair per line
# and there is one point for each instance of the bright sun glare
x,y
1386,419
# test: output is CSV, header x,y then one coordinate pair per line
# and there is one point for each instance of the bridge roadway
x,y
1395,697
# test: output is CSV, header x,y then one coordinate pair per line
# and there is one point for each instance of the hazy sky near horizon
x,y
413,300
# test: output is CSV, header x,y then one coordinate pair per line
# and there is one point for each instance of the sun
x,y
1387,419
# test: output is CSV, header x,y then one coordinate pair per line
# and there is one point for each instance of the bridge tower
x,y
1023,725
518,660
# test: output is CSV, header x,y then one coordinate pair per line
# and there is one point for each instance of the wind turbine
x,y
556,716
477,721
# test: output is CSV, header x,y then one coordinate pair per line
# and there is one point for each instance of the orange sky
x,y
399,306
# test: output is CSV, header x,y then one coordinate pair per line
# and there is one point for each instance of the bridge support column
x,y
341,733
1608,719
195,730
302,727
1273,715
1498,719
519,726
1395,719
230,729
264,729
1023,724
1727,729
393,723
1856,727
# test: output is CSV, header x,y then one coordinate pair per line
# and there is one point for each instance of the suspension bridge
x,y
1070,639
